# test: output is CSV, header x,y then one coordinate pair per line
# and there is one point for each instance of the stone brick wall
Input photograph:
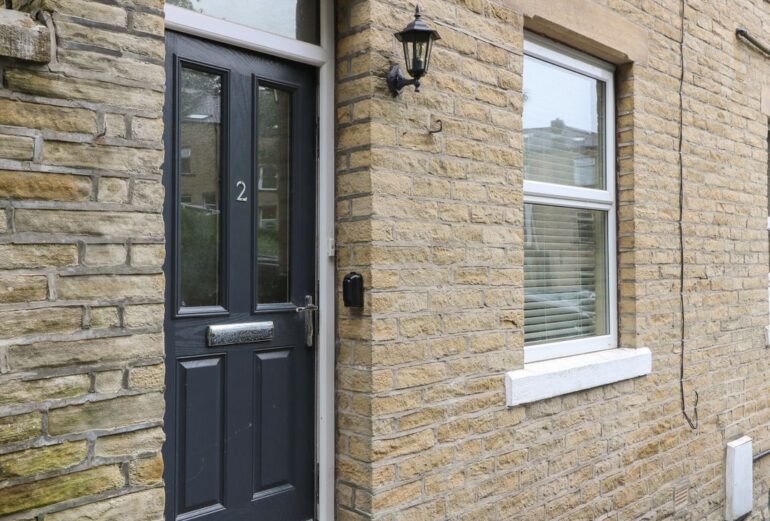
x,y
81,250
434,222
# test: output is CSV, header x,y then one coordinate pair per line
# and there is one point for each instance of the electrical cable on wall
x,y
693,422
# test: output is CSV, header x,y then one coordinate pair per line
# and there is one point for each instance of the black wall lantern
x,y
417,39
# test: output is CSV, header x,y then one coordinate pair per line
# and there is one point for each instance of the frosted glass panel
x,y
297,19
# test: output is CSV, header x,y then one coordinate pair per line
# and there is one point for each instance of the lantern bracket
x,y
397,81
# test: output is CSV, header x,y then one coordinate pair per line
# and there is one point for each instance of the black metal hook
x,y
440,127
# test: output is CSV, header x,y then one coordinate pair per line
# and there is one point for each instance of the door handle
x,y
308,309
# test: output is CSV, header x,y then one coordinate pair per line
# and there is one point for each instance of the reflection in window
x,y
297,19
274,156
563,126
200,130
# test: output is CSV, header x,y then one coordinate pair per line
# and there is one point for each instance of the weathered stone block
x,y
105,254
148,194
146,506
104,317
108,381
130,444
23,38
48,187
97,12
147,129
113,349
113,190
149,315
17,147
20,427
35,115
35,391
14,256
148,255
37,321
106,414
23,288
147,377
146,471
110,287
42,459
116,224
60,488
55,86
84,155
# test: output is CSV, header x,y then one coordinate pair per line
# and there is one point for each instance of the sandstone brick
x,y
113,349
147,504
120,41
34,391
146,471
105,254
147,129
150,315
35,115
106,414
113,190
54,86
148,23
108,381
34,321
108,287
117,224
15,256
107,14
49,187
148,194
17,147
84,155
147,377
20,427
148,255
42,459
23,288
407,444
104,317
58,489
130,444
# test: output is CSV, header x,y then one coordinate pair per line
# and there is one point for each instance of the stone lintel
x,y
587,26
23,38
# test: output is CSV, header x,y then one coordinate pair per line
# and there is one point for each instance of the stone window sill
x,y
550,378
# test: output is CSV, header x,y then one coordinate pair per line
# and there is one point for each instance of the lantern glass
x,y
417,53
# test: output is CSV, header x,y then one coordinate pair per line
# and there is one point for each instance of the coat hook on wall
x,y
437,130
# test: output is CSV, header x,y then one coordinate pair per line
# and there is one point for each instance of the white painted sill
x,y
541,380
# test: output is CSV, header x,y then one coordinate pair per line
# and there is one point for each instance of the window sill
x,y
550,378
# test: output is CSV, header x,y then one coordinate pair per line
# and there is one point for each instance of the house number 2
x,y
242,194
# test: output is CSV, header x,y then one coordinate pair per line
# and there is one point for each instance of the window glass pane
x,y
563,126
565,273
274,155
200,122
297,19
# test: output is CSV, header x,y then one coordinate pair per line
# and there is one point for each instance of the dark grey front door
x,y
240,221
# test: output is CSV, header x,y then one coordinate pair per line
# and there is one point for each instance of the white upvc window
x,y
570,268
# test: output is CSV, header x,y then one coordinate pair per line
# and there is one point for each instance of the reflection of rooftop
x,y
569,137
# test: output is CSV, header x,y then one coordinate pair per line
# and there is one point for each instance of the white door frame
x,y
321,56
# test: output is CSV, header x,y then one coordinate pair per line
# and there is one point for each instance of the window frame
x,y
536,192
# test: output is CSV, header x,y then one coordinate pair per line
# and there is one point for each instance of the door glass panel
x,y
274,153
200,138
297,19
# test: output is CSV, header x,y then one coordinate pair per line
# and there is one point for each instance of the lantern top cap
x,y
417,26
